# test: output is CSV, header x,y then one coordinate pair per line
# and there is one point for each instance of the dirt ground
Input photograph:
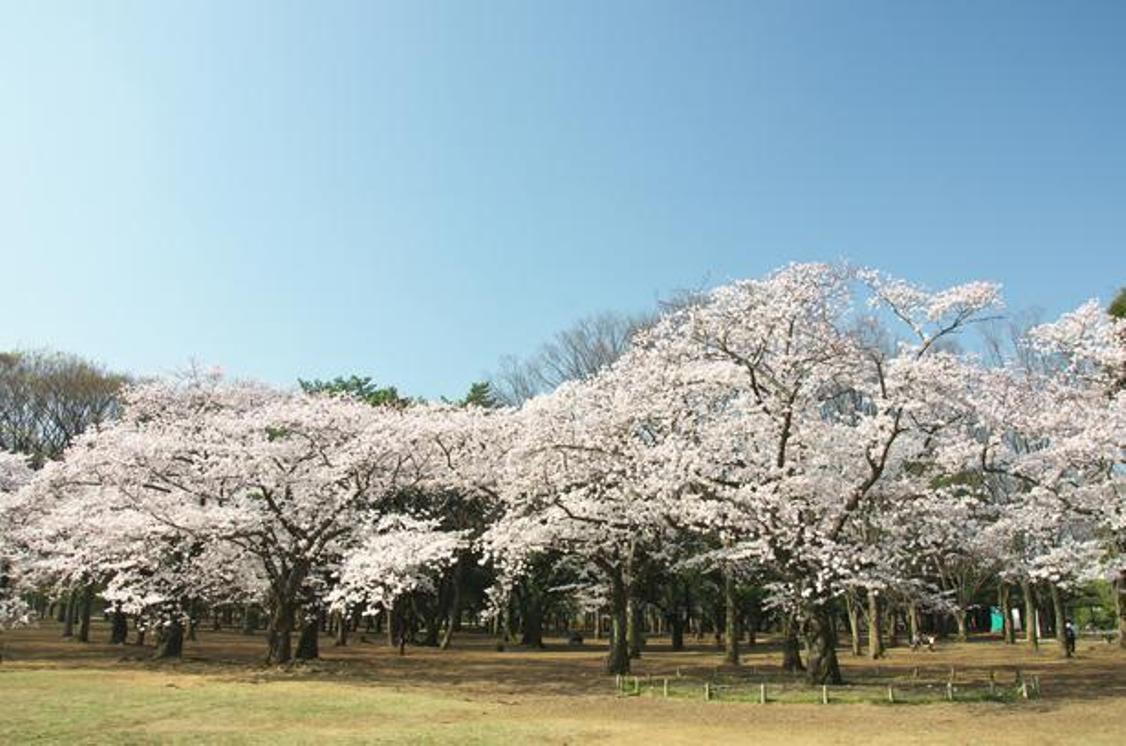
x,y
60,690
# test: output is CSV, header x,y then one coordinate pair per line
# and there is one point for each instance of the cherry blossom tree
x,y
582,479
235,487
793,432
14,473
1052,424
817,433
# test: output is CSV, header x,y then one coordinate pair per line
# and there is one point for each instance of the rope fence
x,y
915,686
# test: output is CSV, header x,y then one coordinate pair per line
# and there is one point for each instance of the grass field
x,y
55,690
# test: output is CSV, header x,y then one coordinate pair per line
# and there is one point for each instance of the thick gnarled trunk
x,y
635,631
283,616
617,660
119,627
280,644
171,644
308,644
532,633
960,621
791,649
822,666
676,630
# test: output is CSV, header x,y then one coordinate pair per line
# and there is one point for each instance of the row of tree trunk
x,y
627,625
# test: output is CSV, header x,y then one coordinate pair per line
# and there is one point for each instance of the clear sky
x,y
410,190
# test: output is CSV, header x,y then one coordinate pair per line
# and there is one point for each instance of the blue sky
x,y
410,190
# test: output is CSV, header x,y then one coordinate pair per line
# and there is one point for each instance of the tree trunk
x,y
506,620
730,620
60,608
71,612
193,619
1061,620
875,643
249,619
960,620
913,620
892,636
853,609
1005,601
171,643
86,607
617,660
634,628
1030,631
1120,605
821,638
341,629
429,615
280,648
752,621
119,627
791,653
394,620
532,633
308,647
676,628
454,613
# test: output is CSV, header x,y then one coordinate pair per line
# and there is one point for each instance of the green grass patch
x,y
98,706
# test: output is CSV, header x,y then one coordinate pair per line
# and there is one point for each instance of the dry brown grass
x,y
472,693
